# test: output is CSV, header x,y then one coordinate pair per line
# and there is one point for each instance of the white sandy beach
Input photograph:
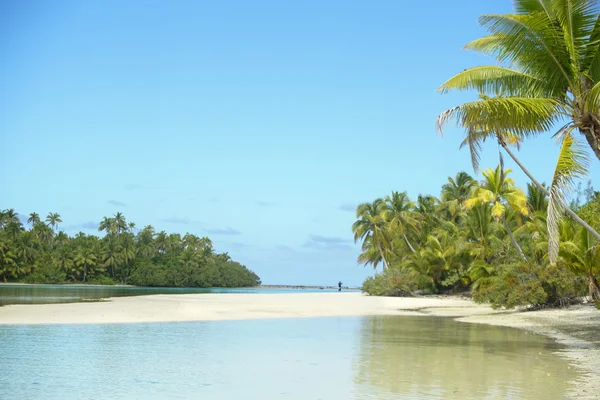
x,y
576,327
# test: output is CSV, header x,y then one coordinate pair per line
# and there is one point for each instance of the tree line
x,y
123,254
490,237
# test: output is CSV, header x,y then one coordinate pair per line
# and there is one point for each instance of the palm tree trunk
x,y
593,138
408,243
594,289
512,238
385,265
568,211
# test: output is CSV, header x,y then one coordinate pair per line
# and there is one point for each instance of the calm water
x,y
43,294
318,358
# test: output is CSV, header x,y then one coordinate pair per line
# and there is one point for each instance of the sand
x,y
577,327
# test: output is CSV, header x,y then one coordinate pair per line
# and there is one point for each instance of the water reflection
x,y
301,359
438,358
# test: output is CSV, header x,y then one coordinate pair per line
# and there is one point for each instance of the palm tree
x,y
64,259
120,223
161,242
457,191
371,228
86,259
111,256
553,53
131,227
107,225
33,219
53,219
500,191
398,212
536,198
581,253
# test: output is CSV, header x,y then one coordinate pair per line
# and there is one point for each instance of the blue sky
x,y
259,124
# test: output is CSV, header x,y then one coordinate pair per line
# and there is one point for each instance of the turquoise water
x,y
44,294
313,358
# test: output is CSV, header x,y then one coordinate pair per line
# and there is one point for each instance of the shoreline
x,y
576,328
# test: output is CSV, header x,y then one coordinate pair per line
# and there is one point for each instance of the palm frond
x,y
491,79
571,165
522,116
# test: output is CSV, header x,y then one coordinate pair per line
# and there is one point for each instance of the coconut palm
x,y
457,191
86,260
536,199
499,191
371,228
53,219
107,225
120,223
553,53
398,212
581,253
111,256
33,219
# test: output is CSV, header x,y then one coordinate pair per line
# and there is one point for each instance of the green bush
x,y
392,283
46,275
101,280
531,285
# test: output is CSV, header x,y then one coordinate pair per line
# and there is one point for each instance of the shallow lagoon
x,y
313,358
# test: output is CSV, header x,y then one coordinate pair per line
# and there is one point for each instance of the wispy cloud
x,y
116,203
350,207
213,200
327,243
132,186
222,231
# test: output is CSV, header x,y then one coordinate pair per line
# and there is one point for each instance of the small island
x,y
124,254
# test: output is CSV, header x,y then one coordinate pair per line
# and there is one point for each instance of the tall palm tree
x,y
53,219
500,191
553,53
398,212
86,259
371,228
33,219
111,256
120,223
107,225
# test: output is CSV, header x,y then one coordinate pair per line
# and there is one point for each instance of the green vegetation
x,y
43,255
488,236
552,78
509,247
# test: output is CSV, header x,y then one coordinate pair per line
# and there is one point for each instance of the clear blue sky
x,y
260,124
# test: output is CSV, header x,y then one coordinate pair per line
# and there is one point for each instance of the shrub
x,y
46,275
101,280
392,283
530,285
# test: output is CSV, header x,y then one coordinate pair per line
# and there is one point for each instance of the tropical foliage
x,y
488,236
547,79
43,255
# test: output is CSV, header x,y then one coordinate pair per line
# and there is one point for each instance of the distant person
x,y
339,286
